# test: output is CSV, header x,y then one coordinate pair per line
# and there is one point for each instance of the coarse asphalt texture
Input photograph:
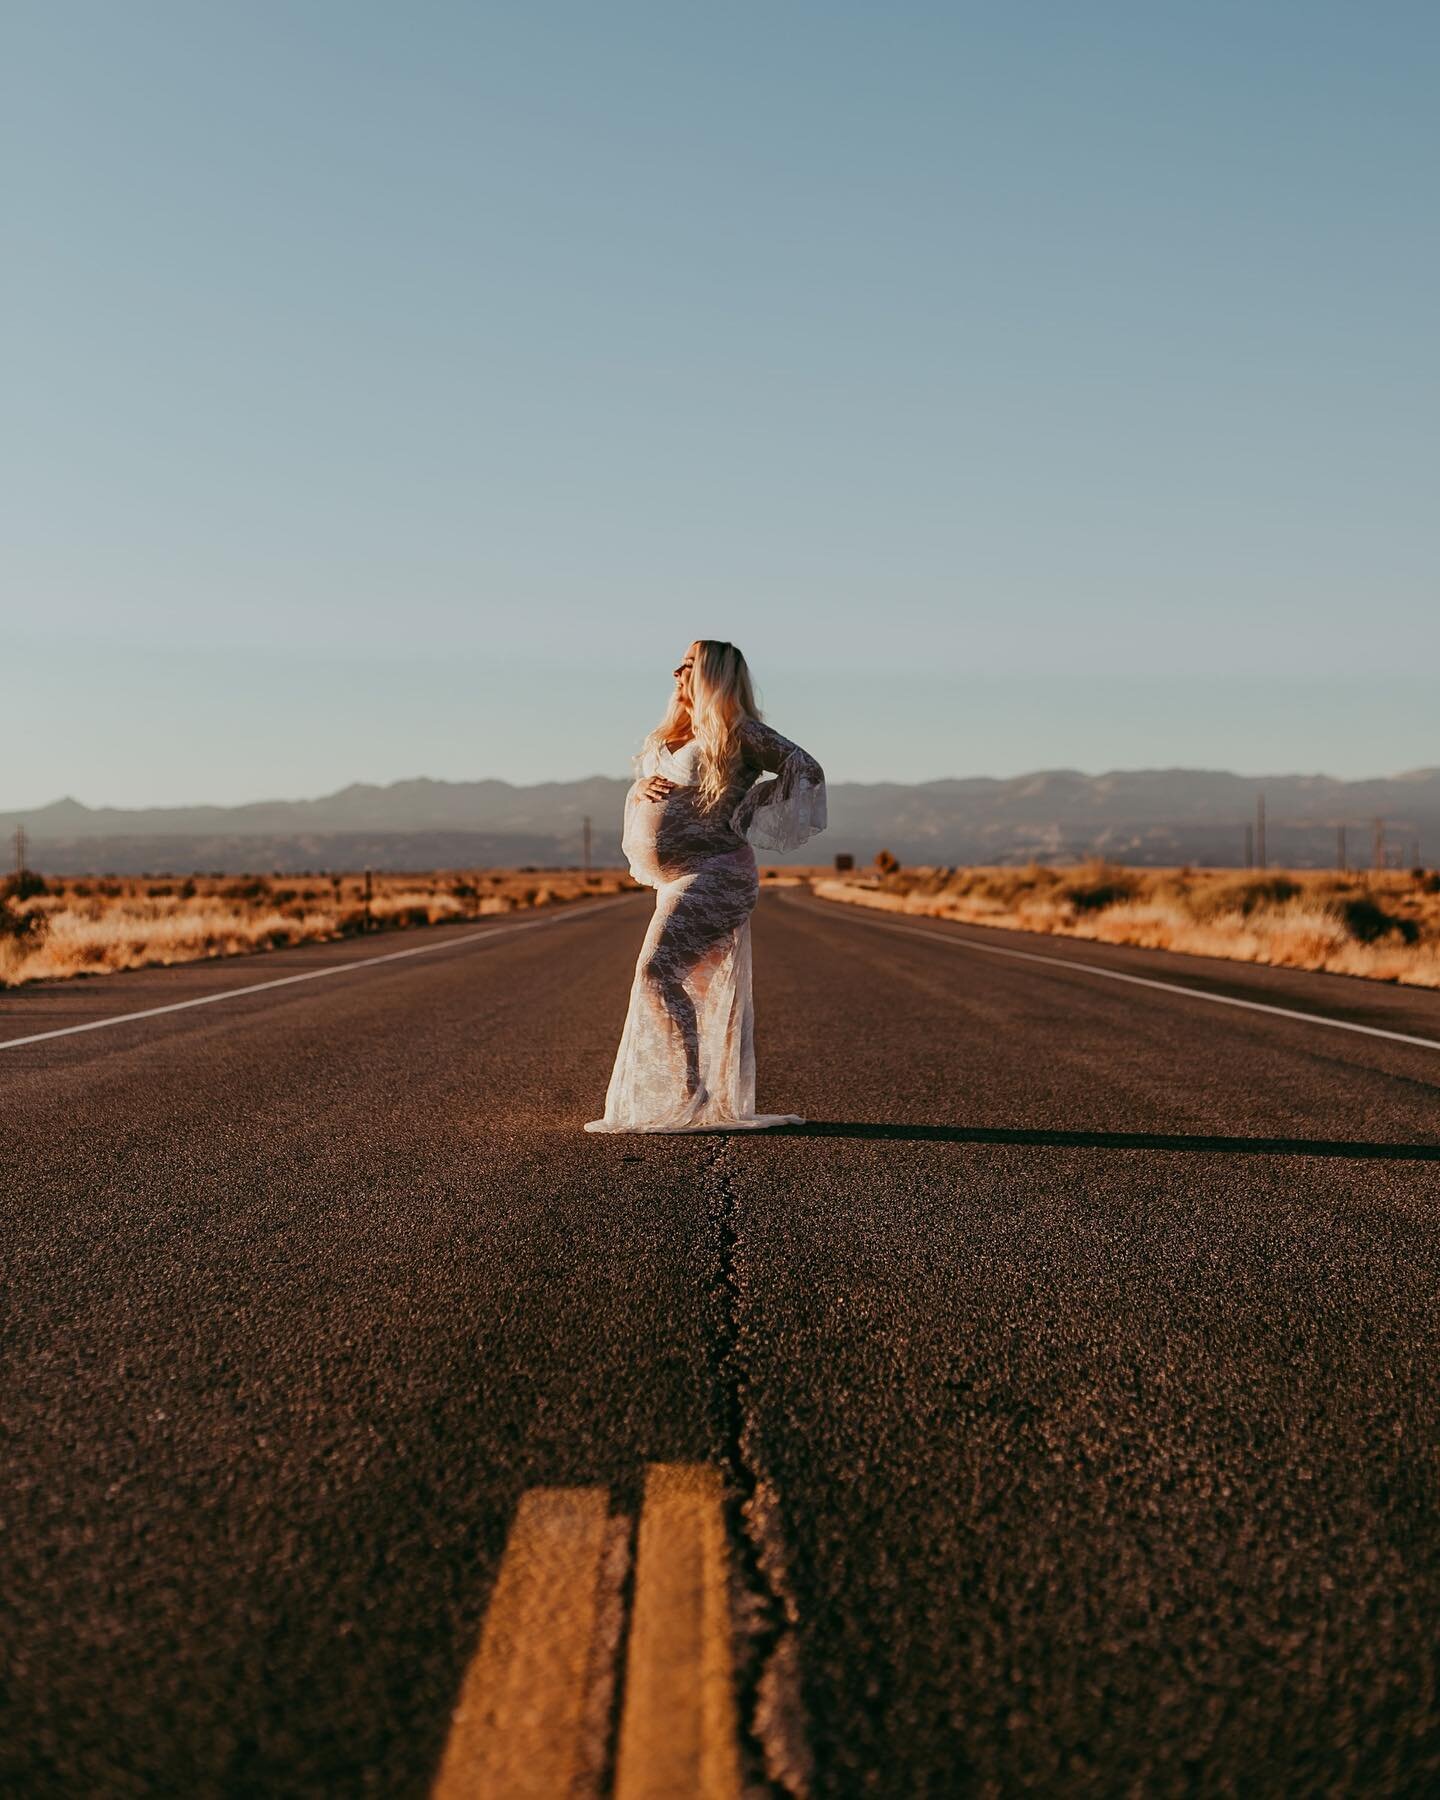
x,y
1077,1358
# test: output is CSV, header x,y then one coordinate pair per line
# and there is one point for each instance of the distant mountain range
x,y
1148,816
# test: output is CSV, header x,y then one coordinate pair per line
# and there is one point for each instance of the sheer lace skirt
x,y
686,1060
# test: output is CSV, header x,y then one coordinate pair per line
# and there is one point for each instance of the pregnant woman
x,y
694,816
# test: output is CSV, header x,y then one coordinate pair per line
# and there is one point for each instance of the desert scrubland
x,y
1383,924
93,925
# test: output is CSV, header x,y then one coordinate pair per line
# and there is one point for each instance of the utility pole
x,y
1415,854
367,898
1379,843
19,849
1260,831
1340,861
1249,846
587,846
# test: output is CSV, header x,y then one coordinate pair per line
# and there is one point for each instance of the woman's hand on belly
x,y
655,787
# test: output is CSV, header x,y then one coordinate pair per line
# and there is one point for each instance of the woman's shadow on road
x,y
1111,1140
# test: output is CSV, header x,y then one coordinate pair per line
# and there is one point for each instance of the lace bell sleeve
x,y
779,814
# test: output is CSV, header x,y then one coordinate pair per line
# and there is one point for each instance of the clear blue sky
x,y
396,389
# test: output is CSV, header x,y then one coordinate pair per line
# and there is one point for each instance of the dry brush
x,y
92,925
1383,924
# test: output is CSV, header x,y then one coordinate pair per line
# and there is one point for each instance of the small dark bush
x,y
887,863
1367,923
1273,890
25,884
1107,886
1244,896
31,926
1099,895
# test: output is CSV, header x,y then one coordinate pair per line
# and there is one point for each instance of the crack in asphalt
x,y
767,1684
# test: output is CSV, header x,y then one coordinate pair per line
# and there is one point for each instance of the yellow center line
x,y
538,1690
678,1730
533,1719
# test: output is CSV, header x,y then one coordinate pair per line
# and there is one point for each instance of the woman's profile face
x,y
683,673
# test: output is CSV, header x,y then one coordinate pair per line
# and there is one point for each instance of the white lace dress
x,y
687,1054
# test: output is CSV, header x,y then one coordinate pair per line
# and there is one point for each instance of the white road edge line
x,y
367,962
1169,987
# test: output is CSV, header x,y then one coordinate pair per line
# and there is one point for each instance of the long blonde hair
x,y
722,695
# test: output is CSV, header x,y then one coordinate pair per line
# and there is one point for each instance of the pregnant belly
x,y
671,838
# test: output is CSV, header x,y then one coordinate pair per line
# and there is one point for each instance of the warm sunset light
x,y
720,901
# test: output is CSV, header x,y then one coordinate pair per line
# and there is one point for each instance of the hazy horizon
x,y
1095,774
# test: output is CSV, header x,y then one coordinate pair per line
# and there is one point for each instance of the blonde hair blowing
x,y
721,696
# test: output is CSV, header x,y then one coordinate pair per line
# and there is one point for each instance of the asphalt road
x,y
1071,1375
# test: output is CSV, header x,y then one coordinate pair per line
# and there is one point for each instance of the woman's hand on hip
x,y
656,787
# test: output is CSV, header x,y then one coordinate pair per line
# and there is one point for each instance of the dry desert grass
x,y
90,925
1384,925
